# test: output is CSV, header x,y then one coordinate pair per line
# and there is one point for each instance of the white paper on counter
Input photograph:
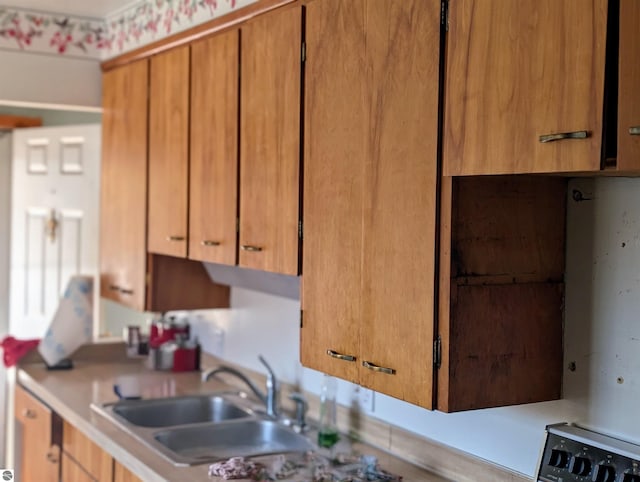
x,y
72,324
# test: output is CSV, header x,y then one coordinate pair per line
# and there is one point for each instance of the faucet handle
x,y
301,410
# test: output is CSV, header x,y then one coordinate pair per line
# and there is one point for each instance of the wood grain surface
x,y
270,141
213,185
182,284
501,290
123,184
14,121
95,461
399,216
169,153
33,423
629,88
519,70
73,472
121,474
336,115
505,345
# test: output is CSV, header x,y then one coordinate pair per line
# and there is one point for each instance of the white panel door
x,y
54,222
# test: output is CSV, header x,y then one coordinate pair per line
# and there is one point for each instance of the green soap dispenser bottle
x,y
328,430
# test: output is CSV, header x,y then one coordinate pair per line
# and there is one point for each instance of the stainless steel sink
x,y
198,429
245,438
178,411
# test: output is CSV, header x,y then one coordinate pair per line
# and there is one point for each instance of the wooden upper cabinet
x,y
371,103
169,152
270,141
336,114
399,216
213,186
629,87
123,207
518,71
37,458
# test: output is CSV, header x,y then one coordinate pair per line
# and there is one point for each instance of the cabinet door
x,y
73,472
400,175
123,208
120,474
39,458
517,71
270,142
213,186
336,127
629,89
169,152
95,461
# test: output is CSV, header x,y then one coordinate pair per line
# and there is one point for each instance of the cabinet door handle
x,y
114,288
634,131
52,458
248,247
125,291
379,369
175,238
564,135
30,413
340,356
209,242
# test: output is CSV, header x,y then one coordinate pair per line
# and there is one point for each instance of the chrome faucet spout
x,y
269,397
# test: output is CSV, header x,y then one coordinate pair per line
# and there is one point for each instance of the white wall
x,y
602,336
49,79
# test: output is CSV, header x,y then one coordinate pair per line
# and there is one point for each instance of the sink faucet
x,y
269,398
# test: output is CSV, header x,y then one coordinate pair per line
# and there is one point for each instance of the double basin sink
x,y
199,429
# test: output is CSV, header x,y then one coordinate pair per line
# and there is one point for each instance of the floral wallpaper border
x,y
53,34
142,23
151,20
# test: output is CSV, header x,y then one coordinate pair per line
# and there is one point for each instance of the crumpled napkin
x,y
15,349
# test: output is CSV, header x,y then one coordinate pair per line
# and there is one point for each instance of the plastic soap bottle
x,y
328,430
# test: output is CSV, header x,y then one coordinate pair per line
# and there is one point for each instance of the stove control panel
x,y
573,453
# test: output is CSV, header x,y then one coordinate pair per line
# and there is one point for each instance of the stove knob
x,y
580,466
604,473
631,478
558,458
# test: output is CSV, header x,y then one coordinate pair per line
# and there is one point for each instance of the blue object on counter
x,y
116,390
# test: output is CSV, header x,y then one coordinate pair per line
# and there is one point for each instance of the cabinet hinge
x,y
301,318
444,14
303,52
300,230
437,352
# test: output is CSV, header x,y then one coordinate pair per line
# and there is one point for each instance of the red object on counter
x,y
164,331
15,349
185,359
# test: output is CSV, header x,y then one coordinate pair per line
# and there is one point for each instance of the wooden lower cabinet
x,y
73,472
121,474
95,461
37,456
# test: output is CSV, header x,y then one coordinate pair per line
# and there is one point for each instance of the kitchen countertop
x,y
71,393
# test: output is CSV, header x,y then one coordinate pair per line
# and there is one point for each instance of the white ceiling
x,y
82,8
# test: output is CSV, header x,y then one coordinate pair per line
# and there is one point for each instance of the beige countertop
x,y
70,393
